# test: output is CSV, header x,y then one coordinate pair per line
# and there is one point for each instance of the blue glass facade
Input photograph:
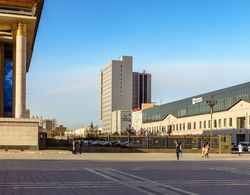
x,y
226,98
8,81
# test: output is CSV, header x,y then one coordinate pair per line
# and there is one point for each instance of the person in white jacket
x,y
240,148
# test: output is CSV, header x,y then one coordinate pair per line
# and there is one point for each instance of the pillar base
x,y
19,134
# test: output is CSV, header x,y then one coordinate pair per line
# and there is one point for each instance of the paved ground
x,y
67,155
96,174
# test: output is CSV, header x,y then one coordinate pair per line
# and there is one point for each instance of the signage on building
x,y
196,100
126,117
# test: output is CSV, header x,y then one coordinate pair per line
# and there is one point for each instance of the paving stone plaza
x,y
55,172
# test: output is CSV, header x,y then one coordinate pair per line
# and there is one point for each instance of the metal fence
x,y
157,142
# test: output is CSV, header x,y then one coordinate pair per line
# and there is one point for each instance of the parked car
x,y
246,146
234,147
125,144
115,143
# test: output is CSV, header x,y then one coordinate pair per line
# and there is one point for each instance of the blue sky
x,y
189,46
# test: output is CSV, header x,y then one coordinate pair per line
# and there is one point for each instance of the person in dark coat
x,y
74,146
80,146
178,150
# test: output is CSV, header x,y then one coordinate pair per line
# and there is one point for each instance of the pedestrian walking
x,y
177,150
77,146
80,146
207,148
240,148
74,146
180,149
203,151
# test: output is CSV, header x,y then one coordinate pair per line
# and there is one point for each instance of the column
x,y
20,76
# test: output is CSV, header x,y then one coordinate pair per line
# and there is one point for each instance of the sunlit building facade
x,y
121,121
191,116
19,22
116,89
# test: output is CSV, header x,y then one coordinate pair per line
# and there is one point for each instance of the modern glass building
x,y
197,105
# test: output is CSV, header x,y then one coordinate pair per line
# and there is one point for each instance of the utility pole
x,y
211,103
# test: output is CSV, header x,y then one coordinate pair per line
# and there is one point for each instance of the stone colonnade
x,y
19,59
20,71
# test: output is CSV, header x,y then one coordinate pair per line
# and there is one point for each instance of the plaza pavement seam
x,y
206,182
63,185
119,181
142,183
232,170
156,183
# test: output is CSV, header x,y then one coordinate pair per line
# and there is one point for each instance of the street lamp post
x,y
211,104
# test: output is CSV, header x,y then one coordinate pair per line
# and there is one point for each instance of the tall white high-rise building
x,y
116,89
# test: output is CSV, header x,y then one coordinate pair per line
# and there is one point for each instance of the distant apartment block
x,y
49,124
116,89
141,89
